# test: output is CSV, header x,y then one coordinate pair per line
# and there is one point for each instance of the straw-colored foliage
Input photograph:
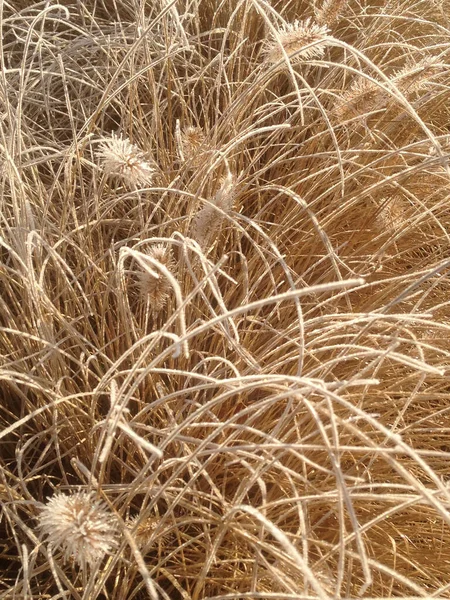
x,y
224,308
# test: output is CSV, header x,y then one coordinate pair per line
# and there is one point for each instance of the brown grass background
x,y
305,431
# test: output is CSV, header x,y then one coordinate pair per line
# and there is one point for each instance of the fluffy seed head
x,y
296,39
144,530
363,97
392,215
123,159
209,220
191,139
157,289
415,75
330,11
80,526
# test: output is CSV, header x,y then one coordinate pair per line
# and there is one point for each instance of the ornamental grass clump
x,y
224,328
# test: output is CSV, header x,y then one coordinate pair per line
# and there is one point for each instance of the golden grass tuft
x,y
224,328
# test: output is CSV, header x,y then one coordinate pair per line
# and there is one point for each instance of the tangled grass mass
x,y
225,299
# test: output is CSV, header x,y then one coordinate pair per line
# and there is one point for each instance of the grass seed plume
x,y
122,159
79,525
300,40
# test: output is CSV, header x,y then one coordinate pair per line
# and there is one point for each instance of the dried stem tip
x,y
80,526
123,159
301,40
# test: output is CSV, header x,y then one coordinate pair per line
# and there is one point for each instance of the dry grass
x,y
233,335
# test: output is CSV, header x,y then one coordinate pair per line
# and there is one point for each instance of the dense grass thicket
x,y
224,299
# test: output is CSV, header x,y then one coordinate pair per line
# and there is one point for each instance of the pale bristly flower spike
x,y
209,220
392,215
363,97
190,141
330,12
144,530
153,286
80,526
416,74
120,158
301,40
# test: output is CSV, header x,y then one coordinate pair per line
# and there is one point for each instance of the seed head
x,y
157,289
190,142
363,97
208,220
415,75
330,11
80,526
392,215
303,39
123,159
144,530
